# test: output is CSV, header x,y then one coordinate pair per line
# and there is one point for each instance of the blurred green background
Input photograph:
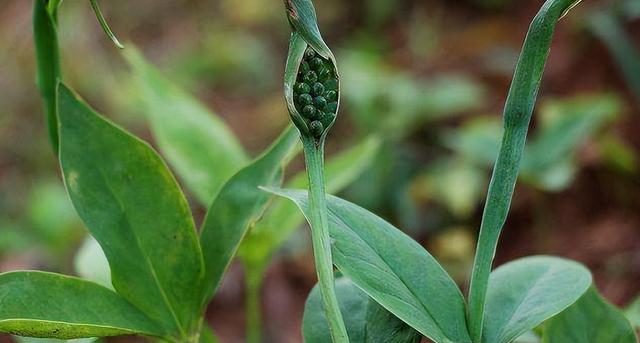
x,y
428,77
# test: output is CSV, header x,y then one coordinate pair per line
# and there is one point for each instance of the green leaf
x,y
238,205
392,269
45,38
633,313
517,115
207,335
590,319
565,125
282,217
524,293
196,142
610,30
134,208
366,320
40,304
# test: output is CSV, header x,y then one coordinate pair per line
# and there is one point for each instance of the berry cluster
x,y
316,92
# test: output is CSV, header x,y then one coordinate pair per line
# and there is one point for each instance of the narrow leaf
x,y
517,115
590,319
45,38
366,320
197,143
238,205
393,269
524,293
134,208
40,304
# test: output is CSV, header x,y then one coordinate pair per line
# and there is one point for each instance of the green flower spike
x,y
312,92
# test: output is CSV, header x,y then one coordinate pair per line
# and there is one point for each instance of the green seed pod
x,y
332,107
324,74
304,67
309,54
318,89
316,128
331,84
302,88
331,95
316,64
309,111
319,102
305,99
309,62
310,77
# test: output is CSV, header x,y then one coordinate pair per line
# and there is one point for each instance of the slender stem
x,y
314,160
105,25
517,115
253,276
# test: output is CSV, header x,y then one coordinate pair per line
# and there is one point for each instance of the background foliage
x,y
428,76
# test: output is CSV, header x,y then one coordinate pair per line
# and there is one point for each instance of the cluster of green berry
x,y
316,92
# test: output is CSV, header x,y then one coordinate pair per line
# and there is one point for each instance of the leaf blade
x,y
590,319
392,269
366,320
65,307
197,143
132,205
524,293
239,203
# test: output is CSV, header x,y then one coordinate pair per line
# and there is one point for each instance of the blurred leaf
x,y
133,206
618,154
477,140
392,269
456,184
90,263
528,337
57,306
525,292
633,313
197,143
608,28
397,104
548,161
366,320
52,216
590,319
565,124
282,217
238,205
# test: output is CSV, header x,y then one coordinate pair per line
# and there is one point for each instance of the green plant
x,y
402,277
311,67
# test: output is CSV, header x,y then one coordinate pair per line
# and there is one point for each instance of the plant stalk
x,y
253,276
314,161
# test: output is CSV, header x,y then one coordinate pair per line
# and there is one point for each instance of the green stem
x,y
253,276
517,115
45,38
104,24
314,160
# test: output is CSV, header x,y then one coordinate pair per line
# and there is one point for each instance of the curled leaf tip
x,y
105,25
